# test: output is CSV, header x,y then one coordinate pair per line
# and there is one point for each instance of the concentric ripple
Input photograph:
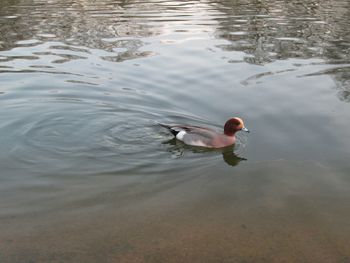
x,y
87,137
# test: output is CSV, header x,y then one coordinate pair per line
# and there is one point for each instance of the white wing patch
x,y
180,135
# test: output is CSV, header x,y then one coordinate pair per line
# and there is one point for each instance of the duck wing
x,y
175,129
192,135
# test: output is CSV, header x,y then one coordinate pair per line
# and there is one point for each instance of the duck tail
x,y
164,125
169,127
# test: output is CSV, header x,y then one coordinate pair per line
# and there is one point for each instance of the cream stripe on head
x,y
241,121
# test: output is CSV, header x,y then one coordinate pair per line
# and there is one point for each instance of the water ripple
x,y
96,76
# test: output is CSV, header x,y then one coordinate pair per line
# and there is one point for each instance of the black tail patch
x,y
173,131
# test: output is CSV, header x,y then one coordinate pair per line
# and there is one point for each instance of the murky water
x,y
87,175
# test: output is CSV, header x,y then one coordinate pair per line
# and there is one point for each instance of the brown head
x,y
234,125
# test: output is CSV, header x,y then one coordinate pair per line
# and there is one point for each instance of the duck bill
x,y
245,129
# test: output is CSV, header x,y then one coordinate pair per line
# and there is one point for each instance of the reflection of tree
x,y
270,30
277,30
108,25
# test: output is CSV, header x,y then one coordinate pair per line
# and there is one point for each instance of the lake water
x,y
87,175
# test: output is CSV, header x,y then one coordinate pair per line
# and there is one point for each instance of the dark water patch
x,y
81,82
36,71
218,205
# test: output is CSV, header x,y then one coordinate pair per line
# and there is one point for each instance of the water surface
x,y
88,175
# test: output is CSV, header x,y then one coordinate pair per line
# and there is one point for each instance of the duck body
x,y
206,137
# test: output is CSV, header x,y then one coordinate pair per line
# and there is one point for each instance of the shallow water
x,y
88,175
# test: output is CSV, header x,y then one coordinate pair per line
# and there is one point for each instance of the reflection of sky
x,y
268,32
114,32
75,23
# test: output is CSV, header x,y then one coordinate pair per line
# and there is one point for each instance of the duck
x,y
207,137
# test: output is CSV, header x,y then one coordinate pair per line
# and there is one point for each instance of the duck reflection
x,y
177,148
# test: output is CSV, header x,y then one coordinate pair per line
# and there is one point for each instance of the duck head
x,y
234,125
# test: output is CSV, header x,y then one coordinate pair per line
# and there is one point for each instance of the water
x,y
88,175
